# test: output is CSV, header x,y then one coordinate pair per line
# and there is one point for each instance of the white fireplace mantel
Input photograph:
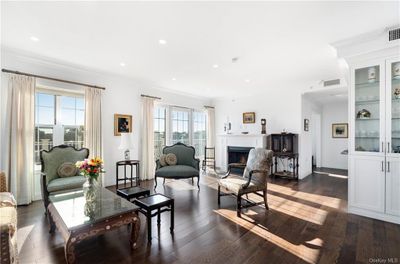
x,y
237,140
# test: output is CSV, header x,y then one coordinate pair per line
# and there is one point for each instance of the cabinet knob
x,y
382,166
388,166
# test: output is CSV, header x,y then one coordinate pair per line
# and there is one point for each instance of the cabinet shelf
x,y
375,101
367,137
367,119
367,85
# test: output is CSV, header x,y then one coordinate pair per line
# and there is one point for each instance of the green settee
x,y
51,160
187,165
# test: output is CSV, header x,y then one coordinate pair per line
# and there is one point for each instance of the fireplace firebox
x,y
238,155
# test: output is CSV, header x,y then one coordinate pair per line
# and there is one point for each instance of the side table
x,y
126,163
158,202
133,192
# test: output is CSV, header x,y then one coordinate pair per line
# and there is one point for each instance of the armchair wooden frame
x,y
239,205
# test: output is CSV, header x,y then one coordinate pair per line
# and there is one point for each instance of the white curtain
x,y
210,127
19,142
93,137
147,142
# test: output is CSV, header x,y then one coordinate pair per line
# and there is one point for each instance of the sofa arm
x,y
3,182
196,164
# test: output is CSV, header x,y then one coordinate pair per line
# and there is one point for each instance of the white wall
x,y
309,108
331,147
122,95
280,106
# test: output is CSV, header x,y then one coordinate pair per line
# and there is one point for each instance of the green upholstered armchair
x,y
51,160
187,165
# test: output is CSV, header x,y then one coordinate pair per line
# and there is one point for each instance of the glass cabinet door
x,y
394,107
367,100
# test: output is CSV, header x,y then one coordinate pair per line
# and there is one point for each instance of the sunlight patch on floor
x,y
307,254
181,185
332,174
22,235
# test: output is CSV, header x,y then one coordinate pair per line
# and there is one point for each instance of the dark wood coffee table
x,y
133,192
158,202
77,220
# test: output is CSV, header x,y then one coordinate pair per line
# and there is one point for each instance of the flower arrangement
x,y
90,168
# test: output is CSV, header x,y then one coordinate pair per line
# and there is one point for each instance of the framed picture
x,y
340,130
306,125
122,124
249,118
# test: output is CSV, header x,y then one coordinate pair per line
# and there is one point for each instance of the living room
x,y
204,114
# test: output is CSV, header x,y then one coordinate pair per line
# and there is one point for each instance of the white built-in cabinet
x,y
374,145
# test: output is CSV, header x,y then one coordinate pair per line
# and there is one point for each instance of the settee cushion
x,y
67,169
177,171
162,160
67,183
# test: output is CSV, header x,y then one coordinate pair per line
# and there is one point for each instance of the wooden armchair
x,y
254,179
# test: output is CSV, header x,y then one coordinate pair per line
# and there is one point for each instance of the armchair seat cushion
x,y
177,171
235,184
68,183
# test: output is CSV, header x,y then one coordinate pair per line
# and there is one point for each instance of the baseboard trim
x,y
375,215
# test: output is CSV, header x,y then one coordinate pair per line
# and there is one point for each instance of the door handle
x,y
383,150
388,166
388,149
382,166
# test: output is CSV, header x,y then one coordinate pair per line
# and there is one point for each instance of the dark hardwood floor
x,y
307,223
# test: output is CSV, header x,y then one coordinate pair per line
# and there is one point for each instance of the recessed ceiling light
x,y
35,39
247,80
122,64
215,66
174,79
162,41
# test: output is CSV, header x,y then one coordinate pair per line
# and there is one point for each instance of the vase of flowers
x,y
91,169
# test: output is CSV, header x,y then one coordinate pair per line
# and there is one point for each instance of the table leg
x,y
148,216
137,174
158,216
135,231
116,177
172,216
124,175
131,175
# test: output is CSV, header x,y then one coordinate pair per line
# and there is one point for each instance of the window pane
x,y
80,103
44,115
67,116
159,130
73,136
80,117
199,133
43,99
67,102
43,140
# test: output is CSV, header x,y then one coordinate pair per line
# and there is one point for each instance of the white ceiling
x,y
328,95
278,43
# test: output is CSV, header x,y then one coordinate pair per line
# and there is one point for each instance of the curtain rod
x,y
52,79
207,106
154,97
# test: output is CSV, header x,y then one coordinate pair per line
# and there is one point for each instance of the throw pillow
x,y
67,169
171,159
162,160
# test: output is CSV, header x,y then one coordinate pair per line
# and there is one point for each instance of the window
x,y
59,119
159,130
199,132
176,124
180,126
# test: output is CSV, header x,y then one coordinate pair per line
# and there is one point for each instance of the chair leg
x,y
163,181
155,180
198,182
219,195
238,206
265,200
192,181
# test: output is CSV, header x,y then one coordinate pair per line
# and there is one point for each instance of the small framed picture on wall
x,y
306,125
249,118
340,130
122,124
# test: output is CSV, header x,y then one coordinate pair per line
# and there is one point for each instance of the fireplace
x,y
238,155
